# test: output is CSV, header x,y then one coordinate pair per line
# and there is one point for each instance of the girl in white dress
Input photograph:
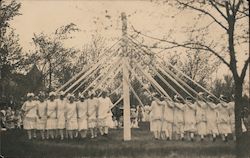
x,y
41,113
51,125
61,115
223,119
92,114
189,118
147,113
30,117
212,113
232,118
104,113
156,117
71,116
201,118
82,109
168,119
179,118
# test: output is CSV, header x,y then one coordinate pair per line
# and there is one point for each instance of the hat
x,y
209,97
223,98
52,94
41,94
133,109
61,93
30,95
91,93
81,96
177,98
188,98
200,93
70,96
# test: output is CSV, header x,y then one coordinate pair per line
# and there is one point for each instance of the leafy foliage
x,y
53,56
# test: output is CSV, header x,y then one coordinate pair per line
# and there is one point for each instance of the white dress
x,y
231,115
61,113
71,116
201,118
41,109
104,112
223,119
92,112
189,117
51,115
30,117
147,113
179,118
156,116
82,109
211,112
168,117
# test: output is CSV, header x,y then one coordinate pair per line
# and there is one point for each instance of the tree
x,y
10,50
199,67
225,87
52,55
231,18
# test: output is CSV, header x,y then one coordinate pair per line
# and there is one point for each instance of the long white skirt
x,y
51,123
155,125
212,127
110,121
61,123
105,122
224,128
92,123
82,124
201,128
167,126
178,127
72,124
29,123
41,123
189,127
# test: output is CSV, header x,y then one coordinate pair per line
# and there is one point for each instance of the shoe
x,y
214,139
226,140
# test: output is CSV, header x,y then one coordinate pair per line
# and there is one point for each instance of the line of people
x,y
183,119
65,116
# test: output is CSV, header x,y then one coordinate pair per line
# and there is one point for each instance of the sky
x,y
102,17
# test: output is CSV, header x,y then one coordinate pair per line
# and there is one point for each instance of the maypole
x,y
126,99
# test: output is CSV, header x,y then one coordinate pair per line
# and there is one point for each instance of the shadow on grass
x,y
14,144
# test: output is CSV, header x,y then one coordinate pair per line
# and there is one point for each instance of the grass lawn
x,y
14,144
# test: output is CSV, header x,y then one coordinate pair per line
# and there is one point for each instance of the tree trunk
x,y
237,110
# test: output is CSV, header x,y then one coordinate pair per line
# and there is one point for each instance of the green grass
x,y
14,144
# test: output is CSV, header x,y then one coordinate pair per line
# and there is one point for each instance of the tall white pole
x,y
126,99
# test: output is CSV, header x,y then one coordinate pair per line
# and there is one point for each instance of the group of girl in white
x,y
181,118
60,116
178,119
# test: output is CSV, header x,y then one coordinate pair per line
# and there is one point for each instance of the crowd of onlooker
x,y
10,118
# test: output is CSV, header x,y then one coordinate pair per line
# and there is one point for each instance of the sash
x,y
26,111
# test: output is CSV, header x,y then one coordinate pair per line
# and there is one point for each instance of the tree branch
x,y
237,7
191,45
203,11
244,69
214,5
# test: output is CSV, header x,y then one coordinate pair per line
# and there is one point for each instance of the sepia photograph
x,y
124,79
